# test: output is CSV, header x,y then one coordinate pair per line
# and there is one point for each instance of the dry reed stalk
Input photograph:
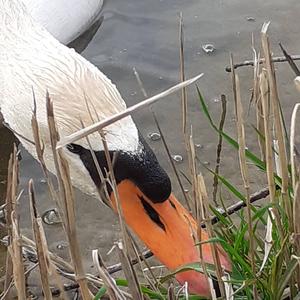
x,y
204,208
296,187
183,291
201,206
294,170
171,293
130,110
194,173
67,202
265,98
45,264
41,244
71,227
127,242
15,251
182,76
187,202
261,129
228,287
256,70
30,247
130,274
140,83
197,207
278,122
268,241
62,267
243,164
39,146
257,101
184,109
113,290
11,202
113,184
40,155
296,237
9,205
140,258
219,150
103,193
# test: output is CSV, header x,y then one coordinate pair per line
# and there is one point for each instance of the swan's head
x,y
152,211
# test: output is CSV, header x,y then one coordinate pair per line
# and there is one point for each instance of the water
x,y
144,35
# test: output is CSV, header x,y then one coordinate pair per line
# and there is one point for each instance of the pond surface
x,y
144,35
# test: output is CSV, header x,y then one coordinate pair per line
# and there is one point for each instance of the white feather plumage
x,y
30,58
64,19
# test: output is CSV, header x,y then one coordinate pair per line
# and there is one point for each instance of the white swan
x,y
31,58
65,19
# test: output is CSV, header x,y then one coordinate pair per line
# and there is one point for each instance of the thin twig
x,y
276,59
243,166
219,149
290,60
241,204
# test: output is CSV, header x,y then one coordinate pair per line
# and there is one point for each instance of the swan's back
x,y
31,59
65,19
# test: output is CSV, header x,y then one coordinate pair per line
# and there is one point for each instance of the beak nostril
x,y
152,213
172,204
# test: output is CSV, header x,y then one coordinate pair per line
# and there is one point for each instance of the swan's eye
x,y
76,149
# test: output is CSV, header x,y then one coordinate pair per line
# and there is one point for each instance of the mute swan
x,y
31,58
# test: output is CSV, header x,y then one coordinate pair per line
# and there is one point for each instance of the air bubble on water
x,y
208,48
51,217
62,245
154,136
178,158
250,19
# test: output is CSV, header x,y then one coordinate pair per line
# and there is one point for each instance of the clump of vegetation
x,y
265,265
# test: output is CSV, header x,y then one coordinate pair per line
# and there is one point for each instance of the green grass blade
x,y
255,159
100,293
291,267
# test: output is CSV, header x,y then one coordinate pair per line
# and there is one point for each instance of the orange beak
x,y
166,228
